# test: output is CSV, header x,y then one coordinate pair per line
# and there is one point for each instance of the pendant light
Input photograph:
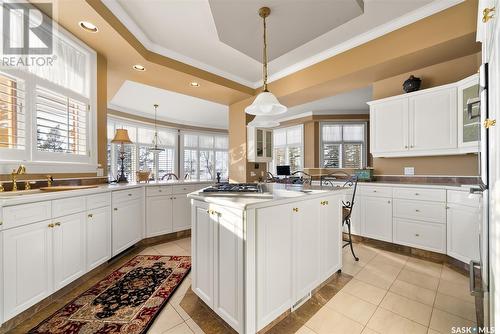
x,y
262,121
265,104
156,142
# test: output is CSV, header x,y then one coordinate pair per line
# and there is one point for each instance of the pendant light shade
x,y
265,104
261,121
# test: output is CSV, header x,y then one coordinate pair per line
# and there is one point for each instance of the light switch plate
x,y
409,170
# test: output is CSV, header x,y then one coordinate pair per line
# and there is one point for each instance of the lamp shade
x,y
263,122
121,136
265,104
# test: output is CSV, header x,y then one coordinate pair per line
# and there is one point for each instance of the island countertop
x,y
273,193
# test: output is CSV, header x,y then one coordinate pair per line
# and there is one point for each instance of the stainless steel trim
x,y
472,278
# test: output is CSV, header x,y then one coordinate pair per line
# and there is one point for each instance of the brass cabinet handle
x,y
488,123
51,225
295,209
90,215
417,235
57,224
130,194
488,13
213,212
417,210
116,209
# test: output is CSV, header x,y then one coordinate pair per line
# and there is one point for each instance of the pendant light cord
x,y
264,56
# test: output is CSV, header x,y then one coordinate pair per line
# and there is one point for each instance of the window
x,y
138,155
46,111
205,155
343,145
288,147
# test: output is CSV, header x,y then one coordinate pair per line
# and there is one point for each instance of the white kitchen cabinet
x,y
306,248
69,248
433,120
228,265
203,252
98,236
330,220
127,221
159,215
389,127
27,273
274,262
420,234
468,129
464,213
181,212
376,217
259,145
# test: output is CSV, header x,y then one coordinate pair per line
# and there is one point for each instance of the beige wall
x,y
435,75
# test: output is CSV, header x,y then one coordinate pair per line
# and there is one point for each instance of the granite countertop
x,y
273,193
36,195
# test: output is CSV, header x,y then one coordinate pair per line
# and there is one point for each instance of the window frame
x,y
114,160
287,146
364,144
55,162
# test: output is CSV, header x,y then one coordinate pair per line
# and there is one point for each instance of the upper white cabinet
x,y
433,120
429,122
259,145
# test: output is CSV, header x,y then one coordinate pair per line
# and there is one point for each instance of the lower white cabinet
x,y
420,234
98,236
463,232
306,248
158,215
127,223
181,213
330,220
27,273
69,248
376,217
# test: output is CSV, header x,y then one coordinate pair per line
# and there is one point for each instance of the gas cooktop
x,y
234,187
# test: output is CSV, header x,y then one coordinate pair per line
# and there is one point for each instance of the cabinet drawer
x,y
68,206
158,190
126,195
187,188
18,215
437,195
376,191
98,201
427,236
420,210
464,198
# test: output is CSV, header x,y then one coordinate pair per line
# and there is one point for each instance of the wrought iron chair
x,y
169,176
304,178
270,178
347,206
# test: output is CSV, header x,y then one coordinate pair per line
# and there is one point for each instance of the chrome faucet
x,y
20,170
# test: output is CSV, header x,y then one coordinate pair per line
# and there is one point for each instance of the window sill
x,y
44,167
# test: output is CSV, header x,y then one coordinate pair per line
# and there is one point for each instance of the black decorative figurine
x,y
412,84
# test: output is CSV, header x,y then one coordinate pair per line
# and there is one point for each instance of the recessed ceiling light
x,y
194,84
88,26
138,67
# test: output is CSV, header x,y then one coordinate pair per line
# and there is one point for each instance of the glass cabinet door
x,y
260,143
470,127
269,144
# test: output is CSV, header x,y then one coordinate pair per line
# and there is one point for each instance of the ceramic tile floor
x,y
389,293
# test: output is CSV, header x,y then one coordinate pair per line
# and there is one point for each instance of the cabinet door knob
x,y
406,146
90,215
389,202
57,224
416,194
130,194
417,235
488,13
295,209
417,210
51,225
116,209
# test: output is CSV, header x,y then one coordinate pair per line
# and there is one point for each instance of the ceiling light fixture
x,y
90,27
156,142
262,121
139,67
265,104
194,84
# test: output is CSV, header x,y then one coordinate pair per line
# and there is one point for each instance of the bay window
x,y
288,147
343,145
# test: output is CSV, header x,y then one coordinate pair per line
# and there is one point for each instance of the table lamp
x,y
121,137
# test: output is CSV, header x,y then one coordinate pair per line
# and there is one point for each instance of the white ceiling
x,y
138,99
353,102
187,31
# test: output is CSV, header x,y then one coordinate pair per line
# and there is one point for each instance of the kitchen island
x,y
259,255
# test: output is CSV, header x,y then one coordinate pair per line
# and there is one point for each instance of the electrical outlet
x,y
252,174
409,170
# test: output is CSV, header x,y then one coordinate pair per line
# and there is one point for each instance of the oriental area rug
x,y
126,301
